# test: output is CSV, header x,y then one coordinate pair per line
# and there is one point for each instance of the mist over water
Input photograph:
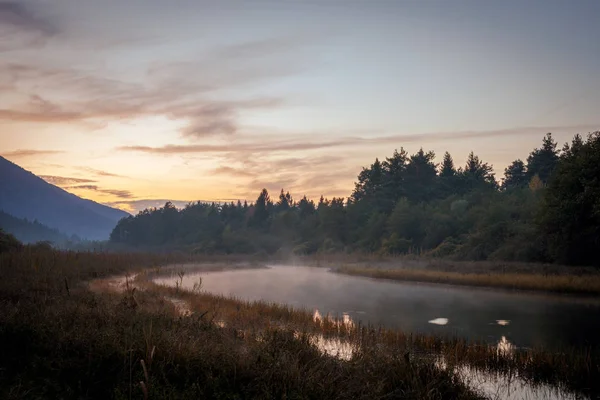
x,y
522,319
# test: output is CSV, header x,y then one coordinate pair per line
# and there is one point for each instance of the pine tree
x,y
421,173
478,174
394,169
447,170
284,202
542,161
262,209
515,176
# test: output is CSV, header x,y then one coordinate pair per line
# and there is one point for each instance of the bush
x,y
9,243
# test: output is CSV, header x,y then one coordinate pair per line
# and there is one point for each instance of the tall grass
x,y
566,283
76,343
60,339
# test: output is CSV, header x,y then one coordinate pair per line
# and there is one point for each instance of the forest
x,y
544,209
33,231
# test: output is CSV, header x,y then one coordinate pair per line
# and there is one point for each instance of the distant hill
x,y
31,231
24,195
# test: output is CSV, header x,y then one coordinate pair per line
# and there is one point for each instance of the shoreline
x,y
587,285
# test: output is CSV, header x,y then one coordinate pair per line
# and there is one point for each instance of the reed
x,y
89,340
588,284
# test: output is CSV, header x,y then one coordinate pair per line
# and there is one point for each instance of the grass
x,y
534,282
494,274
62,337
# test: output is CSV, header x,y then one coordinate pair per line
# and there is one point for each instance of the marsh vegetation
x,y
66,331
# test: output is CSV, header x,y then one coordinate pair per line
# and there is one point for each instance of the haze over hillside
x,y
24,195
31,231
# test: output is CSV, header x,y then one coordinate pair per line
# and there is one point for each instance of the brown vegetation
x,y
560,283
58,338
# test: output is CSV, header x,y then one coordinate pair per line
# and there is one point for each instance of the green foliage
x,y
543,161
9,243
515,176
570,213
545,210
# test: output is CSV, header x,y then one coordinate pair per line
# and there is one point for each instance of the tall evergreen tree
x,y
570,216
515,176
447,169
262,209
421,172
285,201
394,176
542,161
306,207
478,174
370,184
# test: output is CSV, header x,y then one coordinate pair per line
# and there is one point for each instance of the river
x,y
548,321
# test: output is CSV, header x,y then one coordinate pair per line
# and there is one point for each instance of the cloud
x,y
21,27
300,143
189,91
63,180
122,194
275,146
224,170
30,152
142,204
99,172
483,134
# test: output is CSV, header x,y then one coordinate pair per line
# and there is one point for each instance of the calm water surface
x,y
520,319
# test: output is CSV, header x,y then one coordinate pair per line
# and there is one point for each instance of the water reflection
x,y
504,347
439,321
500,386
551,322
489,385
334,347
346,320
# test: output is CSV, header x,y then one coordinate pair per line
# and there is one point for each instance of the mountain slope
x,y
24,195
30,232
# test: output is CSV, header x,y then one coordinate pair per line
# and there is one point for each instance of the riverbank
x,y
62,337
586,284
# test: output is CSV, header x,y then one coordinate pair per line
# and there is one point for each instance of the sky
x,y
132,103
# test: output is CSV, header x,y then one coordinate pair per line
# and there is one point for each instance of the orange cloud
x,y
123,194
64,180
30,152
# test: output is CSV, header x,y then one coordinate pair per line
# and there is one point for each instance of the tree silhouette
x,y
542,161
515,176
404,205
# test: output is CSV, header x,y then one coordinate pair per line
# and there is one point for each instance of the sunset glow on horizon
x,y
135,103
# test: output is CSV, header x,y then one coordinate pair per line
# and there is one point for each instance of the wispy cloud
x,y
275,146
20,27
98,172
224,170
134,206
182,91
29,153
64,180
299,142
123,194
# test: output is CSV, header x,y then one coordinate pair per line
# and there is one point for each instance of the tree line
x,y
544,209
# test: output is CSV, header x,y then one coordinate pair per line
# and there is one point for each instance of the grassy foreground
x,y
62,337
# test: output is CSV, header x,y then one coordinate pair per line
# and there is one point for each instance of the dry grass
x,y
581,284
59,339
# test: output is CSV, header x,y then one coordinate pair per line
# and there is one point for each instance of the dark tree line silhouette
x,y
545,209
